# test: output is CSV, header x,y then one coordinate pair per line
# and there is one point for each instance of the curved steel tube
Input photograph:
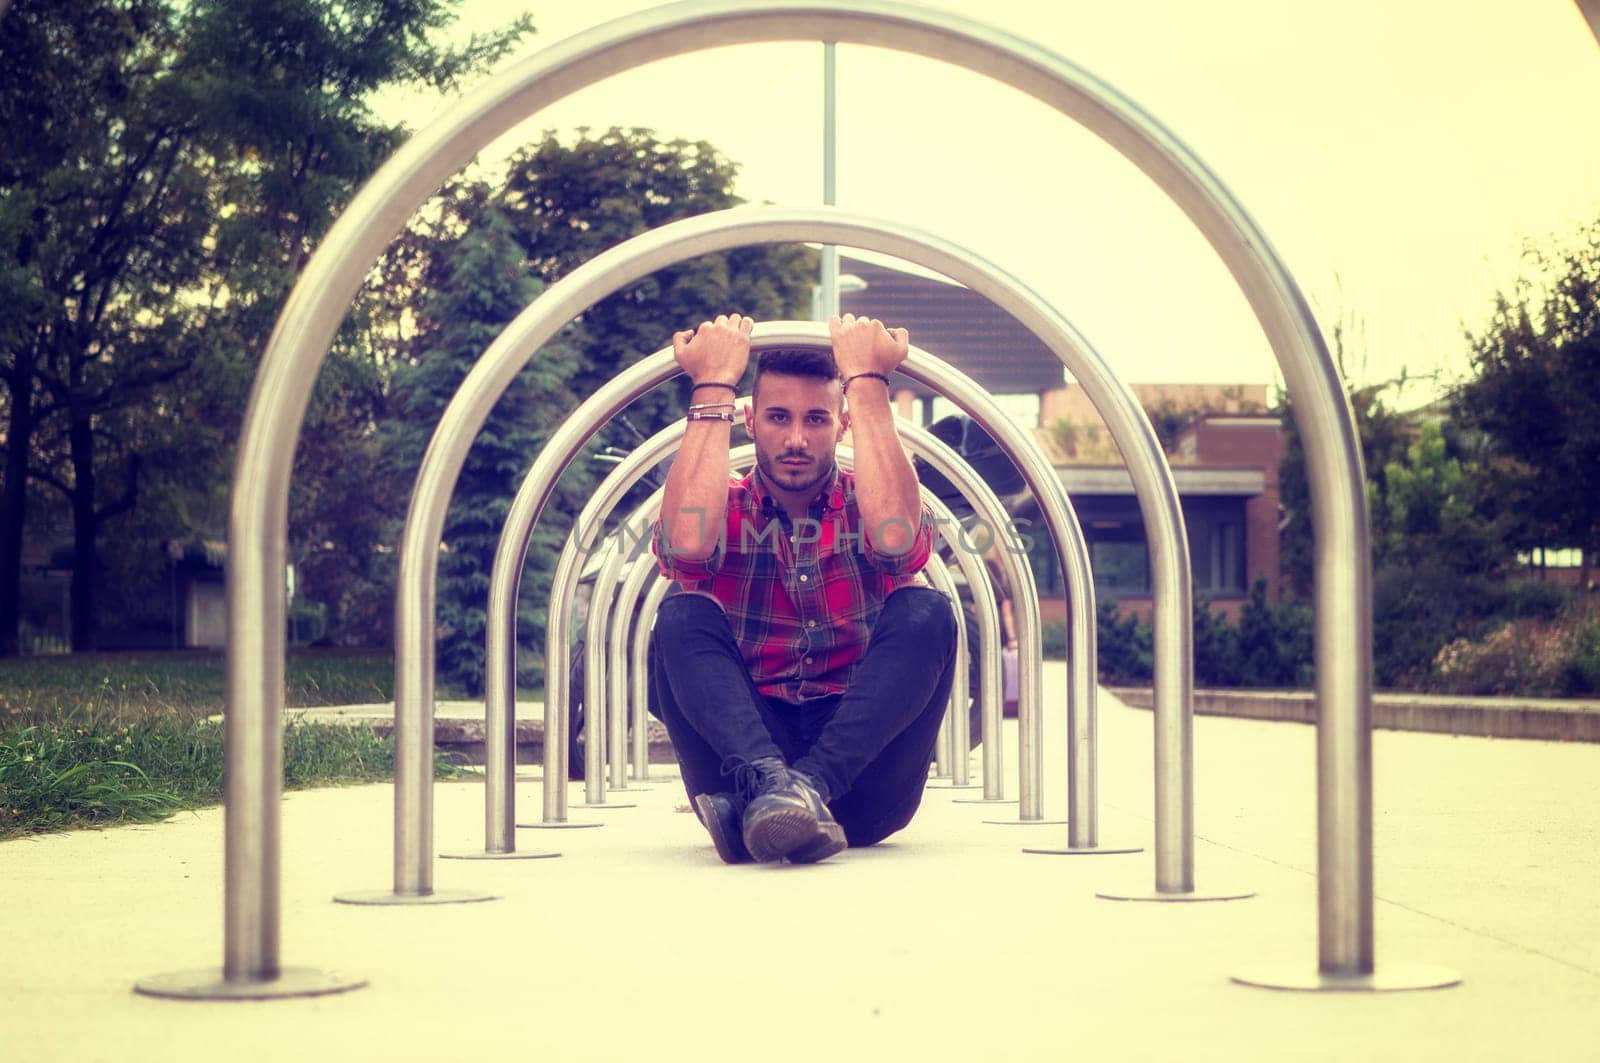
x,y
584,533
1025,600
626,668
642,255
616,394
950,751
644,571
599,736
569,438
257,525
639,676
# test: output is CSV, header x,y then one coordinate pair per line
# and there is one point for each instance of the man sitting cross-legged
x,y
804,672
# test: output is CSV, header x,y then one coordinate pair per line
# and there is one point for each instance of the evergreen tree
x,y
569,203
481,282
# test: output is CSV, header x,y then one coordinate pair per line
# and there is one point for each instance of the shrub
x,y
1053,637
1528,657
1276,642
1216,647
1125,646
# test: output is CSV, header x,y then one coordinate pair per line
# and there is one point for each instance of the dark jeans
x,y
869,748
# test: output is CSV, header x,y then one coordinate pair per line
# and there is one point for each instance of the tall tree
x,y
168,167
571,202
480,282
1535,400
563,205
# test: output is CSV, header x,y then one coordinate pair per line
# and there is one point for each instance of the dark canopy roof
x,y
956,324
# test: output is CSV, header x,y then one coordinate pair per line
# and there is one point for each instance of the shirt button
x,y
811,623
804,577
808,660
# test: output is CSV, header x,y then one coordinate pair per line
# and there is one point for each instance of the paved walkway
x,y
947,943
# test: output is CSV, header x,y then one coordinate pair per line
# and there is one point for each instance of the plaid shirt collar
x,y
829,497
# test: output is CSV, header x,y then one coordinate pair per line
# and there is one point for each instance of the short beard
x,y
770,469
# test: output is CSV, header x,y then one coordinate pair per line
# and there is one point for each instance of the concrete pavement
x,y
946,943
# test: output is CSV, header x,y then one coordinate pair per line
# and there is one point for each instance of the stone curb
x,y
458,728
1546,719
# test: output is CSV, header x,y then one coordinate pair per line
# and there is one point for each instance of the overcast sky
x,y
1397,154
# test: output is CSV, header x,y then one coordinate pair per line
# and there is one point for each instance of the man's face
x,y
795,422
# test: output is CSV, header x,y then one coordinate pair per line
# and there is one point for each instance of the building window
x,y
1121,568
1216,550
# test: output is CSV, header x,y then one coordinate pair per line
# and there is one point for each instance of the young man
x,y
804,671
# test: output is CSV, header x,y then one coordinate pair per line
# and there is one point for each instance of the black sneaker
x,y
787,818
723,815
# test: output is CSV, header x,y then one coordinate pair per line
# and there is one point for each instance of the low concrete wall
x,y
458,729
1550,719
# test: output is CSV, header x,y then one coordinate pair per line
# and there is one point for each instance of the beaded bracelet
x,y
858,376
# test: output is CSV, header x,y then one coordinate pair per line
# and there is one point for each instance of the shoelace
x,y
749,777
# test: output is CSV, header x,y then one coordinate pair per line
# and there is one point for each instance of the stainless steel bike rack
x,y
257,529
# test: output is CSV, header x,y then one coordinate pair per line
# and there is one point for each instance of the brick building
x,y
1223,444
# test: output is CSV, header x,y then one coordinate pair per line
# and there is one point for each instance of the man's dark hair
x,y
800,361
812,362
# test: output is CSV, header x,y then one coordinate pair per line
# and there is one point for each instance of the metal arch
x,y
627,651
684,239
950,748
620,679
501,642
257,529
638,677
1025,601
607,630
615,395
619,675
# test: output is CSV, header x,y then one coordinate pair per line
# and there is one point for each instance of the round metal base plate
x,y
632,788
1026,822
1192,896
955,785
390,897
1388,978
484,854
602,806
1092,850
207,983
562,825
983,800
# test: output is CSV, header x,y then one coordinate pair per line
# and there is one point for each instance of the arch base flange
x,y
1390,978
208,983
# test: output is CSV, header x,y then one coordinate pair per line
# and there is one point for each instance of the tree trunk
x,y
85,528
14,515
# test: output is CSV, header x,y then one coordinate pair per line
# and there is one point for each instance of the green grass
x,y
131,687
100,739
58,776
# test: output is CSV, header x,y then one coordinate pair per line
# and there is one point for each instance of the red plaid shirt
x,y
802,600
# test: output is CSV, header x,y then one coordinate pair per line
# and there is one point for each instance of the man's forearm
x,y
886,484
694,502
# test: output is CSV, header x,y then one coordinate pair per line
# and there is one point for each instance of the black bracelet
x,y
858,376
716,384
